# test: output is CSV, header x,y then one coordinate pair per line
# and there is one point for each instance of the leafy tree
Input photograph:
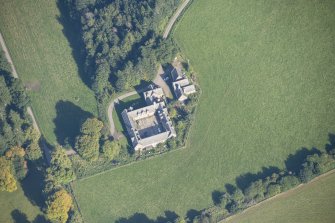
x,y
288,182
87,143
91,126
111,149
14,152
34,151
255,191
60,170
7,179
237,196
5,96
4,65
16,155
58,206
273,189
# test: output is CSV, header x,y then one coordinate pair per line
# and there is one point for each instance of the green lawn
x,y
24,204
44,61
266,69
313,203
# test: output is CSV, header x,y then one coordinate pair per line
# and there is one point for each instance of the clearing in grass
x,y
266,70
43,58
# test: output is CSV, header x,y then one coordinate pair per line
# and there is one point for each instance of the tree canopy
x,y
7,179
60,170
87,143
58,206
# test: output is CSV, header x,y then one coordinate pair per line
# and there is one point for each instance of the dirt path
x,y
174,18
8,57
47,151
281,195
160,82
110,109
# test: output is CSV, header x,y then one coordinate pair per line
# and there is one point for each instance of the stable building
x,y
181,85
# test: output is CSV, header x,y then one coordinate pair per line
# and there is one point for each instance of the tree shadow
x,y
68,121
244,180
33,185
216,197
230,188
40,219
294,161
72,31
169,216
19,217
191,214
331,145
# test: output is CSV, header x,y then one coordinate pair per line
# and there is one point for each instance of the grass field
x,y
266,69
312,203
44,61
23,205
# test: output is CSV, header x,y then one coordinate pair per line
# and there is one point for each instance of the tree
x,y
255,191
111,149
16,155
7,179
5,96
58,206
33,150
237,196
60,169
288,182
91,126
273,189
87,143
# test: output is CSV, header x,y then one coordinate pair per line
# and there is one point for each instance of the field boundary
x,y
286,193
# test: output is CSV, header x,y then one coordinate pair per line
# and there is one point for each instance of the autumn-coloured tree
x,y
60,170
15,152
7,179
16,155
58,206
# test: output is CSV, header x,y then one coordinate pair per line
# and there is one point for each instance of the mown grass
x,y
266,69
24,205
44,61
310,204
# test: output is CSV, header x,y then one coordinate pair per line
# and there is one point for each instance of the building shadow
x,y
68,121
72,31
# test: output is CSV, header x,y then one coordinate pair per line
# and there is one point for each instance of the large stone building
x,y
181,85
150,125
